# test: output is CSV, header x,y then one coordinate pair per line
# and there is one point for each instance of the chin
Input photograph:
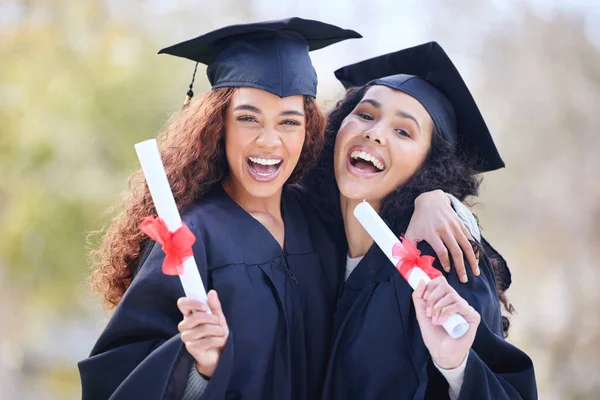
x,y
353,190
263,190
358,190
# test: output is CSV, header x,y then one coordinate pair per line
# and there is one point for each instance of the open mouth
x,y
366,162
264,169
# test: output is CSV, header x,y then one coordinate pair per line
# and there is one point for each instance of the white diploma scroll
x,y
164,202
455,325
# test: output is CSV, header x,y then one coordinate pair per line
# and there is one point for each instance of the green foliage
x,y
77,92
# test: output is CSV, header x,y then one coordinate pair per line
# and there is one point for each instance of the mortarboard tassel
x,y
190,92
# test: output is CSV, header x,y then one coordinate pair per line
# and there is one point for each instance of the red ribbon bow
x,y
410,257
176,245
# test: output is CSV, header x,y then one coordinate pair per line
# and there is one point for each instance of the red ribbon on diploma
x,y
176,245
410,257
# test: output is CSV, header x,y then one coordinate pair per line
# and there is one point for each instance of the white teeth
x,y
264,161
367,157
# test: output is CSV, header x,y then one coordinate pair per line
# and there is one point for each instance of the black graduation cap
x,y
426,73
272,55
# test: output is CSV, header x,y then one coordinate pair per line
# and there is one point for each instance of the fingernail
x,y
477,272
428,311
464,279
447,268
425,295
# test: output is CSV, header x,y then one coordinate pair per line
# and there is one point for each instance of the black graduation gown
x,y
278,304
378,351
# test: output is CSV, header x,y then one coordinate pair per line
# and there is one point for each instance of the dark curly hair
x,y
443,169
192,147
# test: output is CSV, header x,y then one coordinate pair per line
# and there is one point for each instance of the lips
x,y
264,169
363,160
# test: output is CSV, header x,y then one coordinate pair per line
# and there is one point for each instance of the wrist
x,y
426,197
450,363
206,373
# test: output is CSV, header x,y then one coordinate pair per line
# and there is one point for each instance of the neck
x,y
358,239
252,204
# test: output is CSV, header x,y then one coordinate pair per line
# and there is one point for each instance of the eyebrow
x,y
249,107
399,113
374,103
409,116
292,112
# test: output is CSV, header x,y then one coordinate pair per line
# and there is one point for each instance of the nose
x,y
375,134
269,139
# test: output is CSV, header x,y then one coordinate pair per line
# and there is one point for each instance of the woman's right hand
x,y
204,334
435,221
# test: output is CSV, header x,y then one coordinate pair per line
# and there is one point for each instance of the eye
x,y
366,117
402,132
291,122
246,118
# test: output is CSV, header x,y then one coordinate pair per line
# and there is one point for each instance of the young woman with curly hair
x,y
229,155
407,126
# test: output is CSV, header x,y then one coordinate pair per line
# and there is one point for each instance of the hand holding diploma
x,y
434,303
204,331
413,267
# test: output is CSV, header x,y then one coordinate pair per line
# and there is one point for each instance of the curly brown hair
x,y
192,147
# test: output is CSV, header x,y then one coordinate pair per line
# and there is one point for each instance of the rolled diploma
x,y
455,325
164,202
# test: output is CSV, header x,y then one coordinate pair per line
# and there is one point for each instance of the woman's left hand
x,y
434,303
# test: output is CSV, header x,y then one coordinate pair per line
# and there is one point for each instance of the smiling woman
x,y
228,155
397,157
410,125
264,139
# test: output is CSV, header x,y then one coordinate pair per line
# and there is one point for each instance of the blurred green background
x,y
80,83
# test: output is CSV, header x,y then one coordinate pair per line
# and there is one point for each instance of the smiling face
x,y
381,144
264,135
